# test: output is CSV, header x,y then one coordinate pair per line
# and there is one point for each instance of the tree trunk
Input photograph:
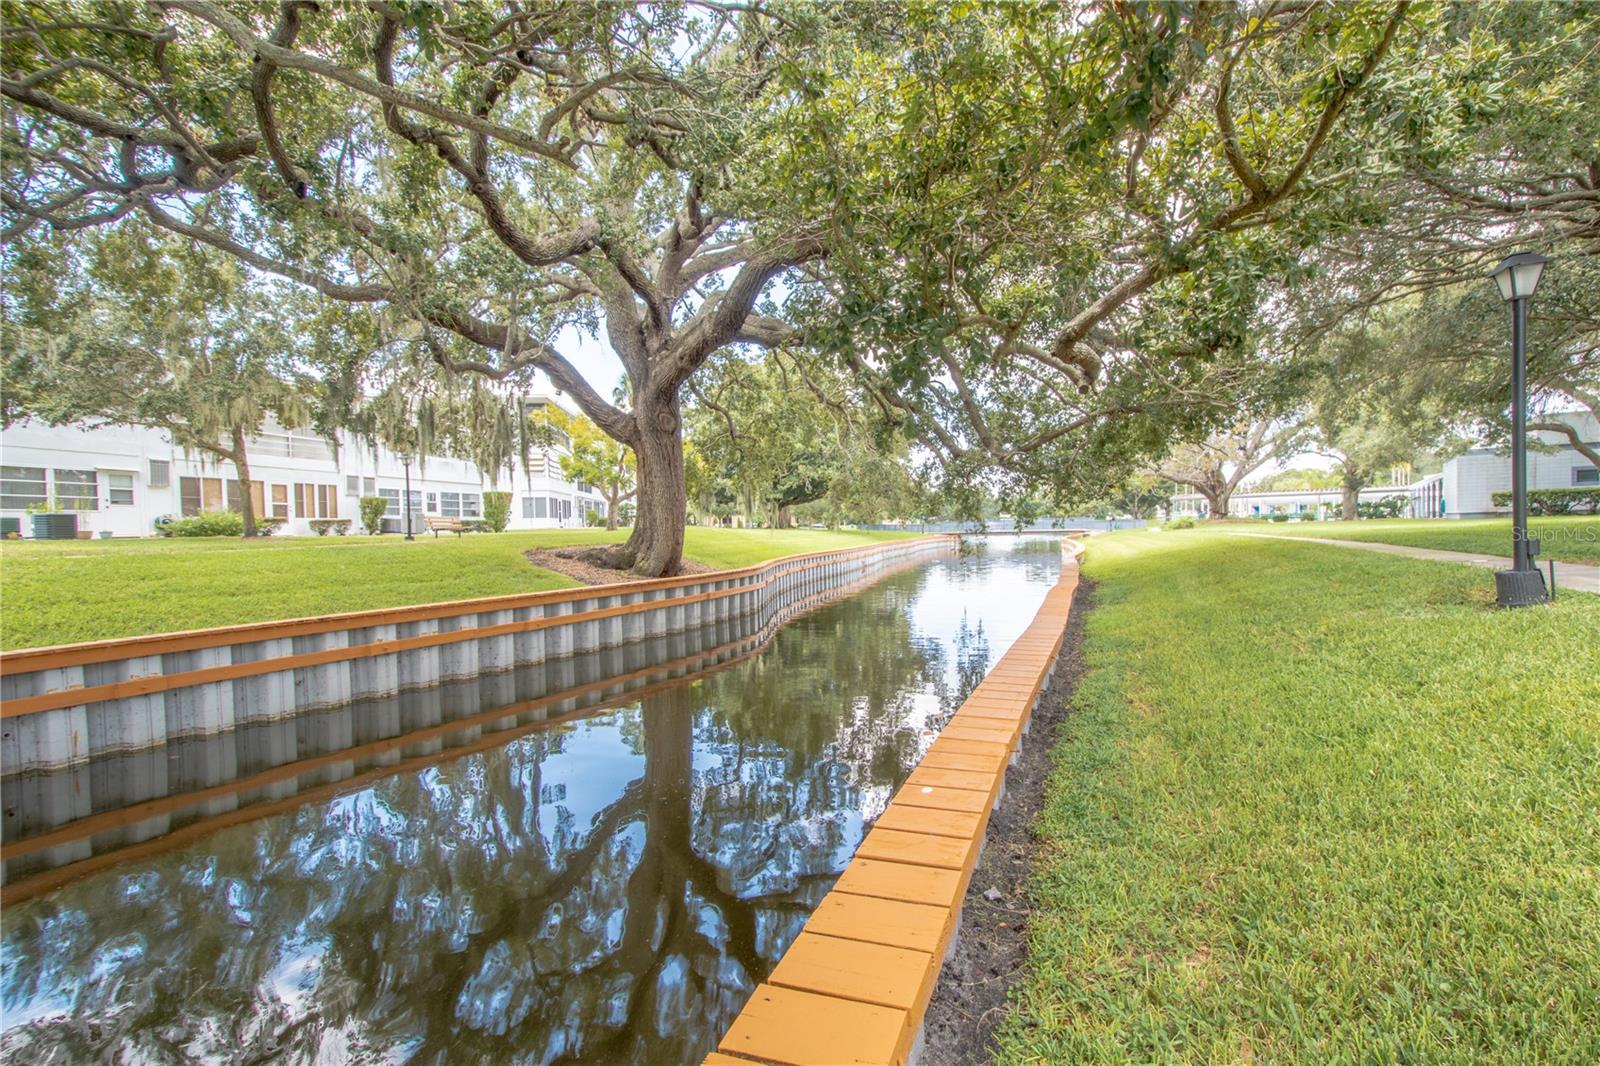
x,y
655,549
241,463
1219,499
612,504
1350,505
785,516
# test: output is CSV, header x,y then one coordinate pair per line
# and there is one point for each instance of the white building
x,y
1464,489
122,479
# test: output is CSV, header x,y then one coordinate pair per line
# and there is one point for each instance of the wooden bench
x,y
439,525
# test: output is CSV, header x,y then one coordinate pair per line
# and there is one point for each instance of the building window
x,y
316,501
160,474
196,494
371,486
119,489
280,501
1586,475
433,503
450,504
391,500
527,507
352,485
21,487
582,485
541,506
470,505
77,490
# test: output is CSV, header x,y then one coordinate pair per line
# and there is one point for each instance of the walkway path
x,y
1584,577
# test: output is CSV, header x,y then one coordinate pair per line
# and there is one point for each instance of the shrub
x,y
1556,501
373,508
1277,516
323,526
594,518
475,525
1388,507
206,524
1308,516
1181,522
497,510
266,527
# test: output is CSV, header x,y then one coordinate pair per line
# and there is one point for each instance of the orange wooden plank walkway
x,y
854,985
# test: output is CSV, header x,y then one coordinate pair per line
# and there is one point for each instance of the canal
x,y
607,888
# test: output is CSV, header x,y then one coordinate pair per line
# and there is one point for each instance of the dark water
x,y
607,890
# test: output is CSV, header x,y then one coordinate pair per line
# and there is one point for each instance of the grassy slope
x,y
60,592
1565,539
1318,806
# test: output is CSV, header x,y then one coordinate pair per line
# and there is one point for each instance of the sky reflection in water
x,y
607,890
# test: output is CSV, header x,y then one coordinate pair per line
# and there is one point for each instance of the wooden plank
x,y
927,775
855,970
928,885
970,747
922,849
794,1028
932,821
917,926
958,760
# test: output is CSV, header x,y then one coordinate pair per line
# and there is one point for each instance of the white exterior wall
x,y
1472,478
276,458
1468,482
1244,503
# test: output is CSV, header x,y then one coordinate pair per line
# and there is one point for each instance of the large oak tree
x,y
495,172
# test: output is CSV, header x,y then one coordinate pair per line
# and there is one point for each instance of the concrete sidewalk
x,y
1584,577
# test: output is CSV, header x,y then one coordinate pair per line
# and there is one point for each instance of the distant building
x,y
1464,489
123,479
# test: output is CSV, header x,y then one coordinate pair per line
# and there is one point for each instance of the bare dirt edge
x,y
970,1000
569,562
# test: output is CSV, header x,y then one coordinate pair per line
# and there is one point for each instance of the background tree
x,y
1216,466
534,169
137,329
1049,225
600,461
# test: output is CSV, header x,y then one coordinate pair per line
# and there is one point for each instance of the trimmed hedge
x,y
1556,501
217,524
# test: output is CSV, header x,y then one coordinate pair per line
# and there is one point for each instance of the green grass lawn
x,y
1573,539
58,592
1317,806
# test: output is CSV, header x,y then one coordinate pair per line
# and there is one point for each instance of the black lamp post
x,y
1522,585
405,504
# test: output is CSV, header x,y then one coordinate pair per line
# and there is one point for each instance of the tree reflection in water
x,y
607,890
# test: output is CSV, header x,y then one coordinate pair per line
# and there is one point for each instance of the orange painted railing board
x,y
894,880
793,1028
928,775
969,747
932,821
893,845
944,759
983,730
854,970
918,926
944,799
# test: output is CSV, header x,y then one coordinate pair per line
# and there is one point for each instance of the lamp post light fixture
x,y
405,505
1522,585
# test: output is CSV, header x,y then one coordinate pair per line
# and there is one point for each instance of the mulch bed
x,y
991,953
573,563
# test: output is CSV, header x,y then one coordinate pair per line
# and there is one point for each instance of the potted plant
x,y
51,521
